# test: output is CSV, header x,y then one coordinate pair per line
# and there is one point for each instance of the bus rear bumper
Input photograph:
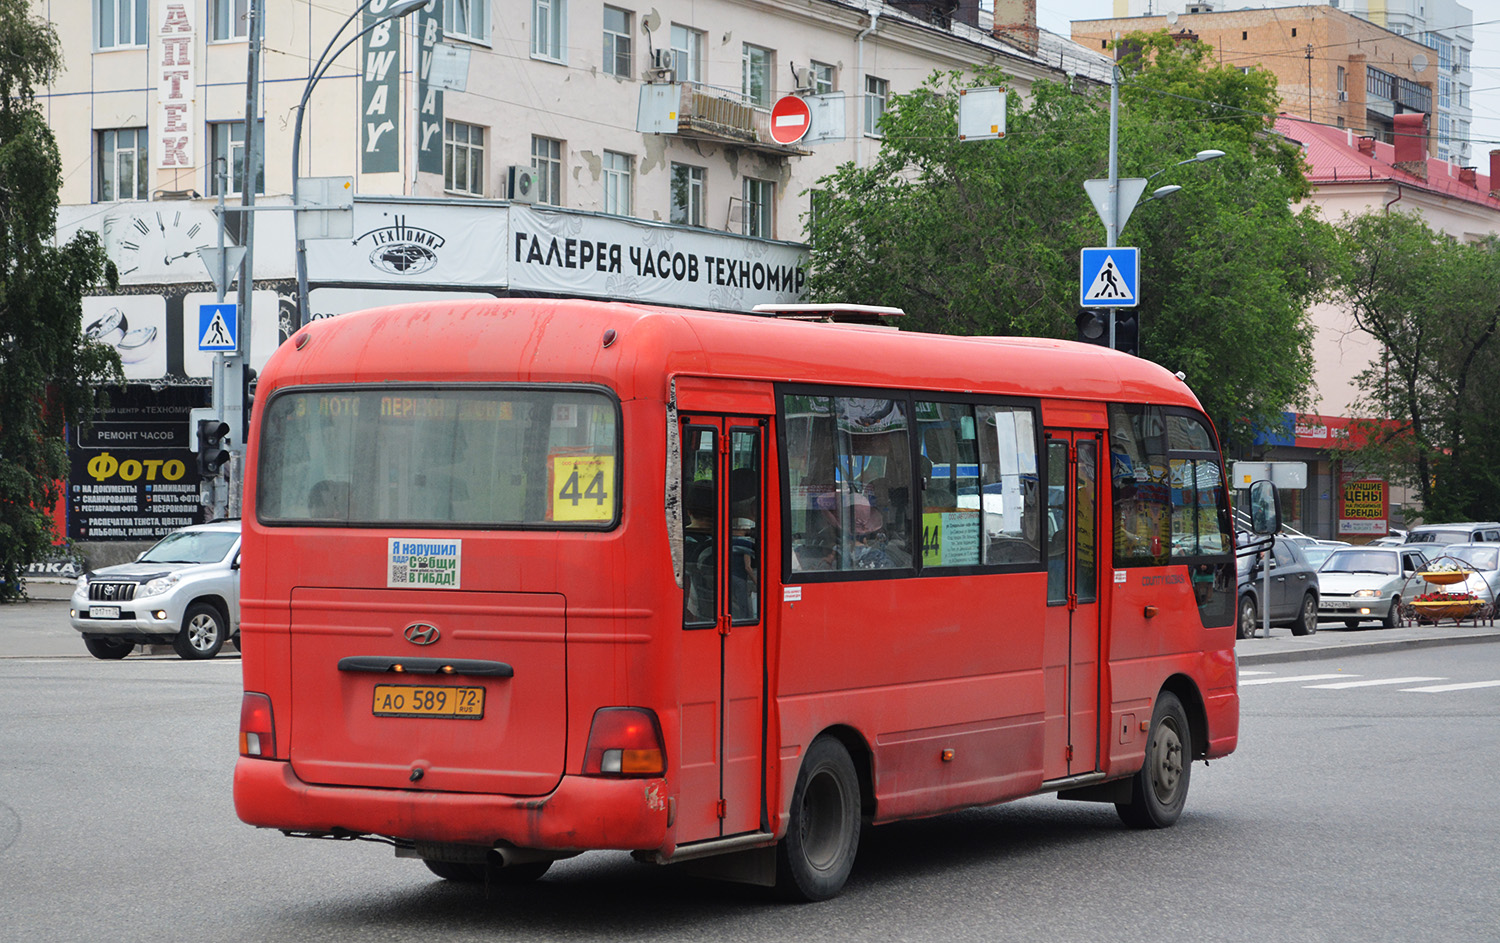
x,y
581,814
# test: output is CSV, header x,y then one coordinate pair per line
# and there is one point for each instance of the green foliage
x,y
47,367
1433,303
984,237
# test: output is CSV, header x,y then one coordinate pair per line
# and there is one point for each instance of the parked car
x,y
1294,589
1320,551
1483,562
1483,532
185,591
1362,584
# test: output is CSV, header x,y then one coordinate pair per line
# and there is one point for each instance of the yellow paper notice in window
x,y
583,488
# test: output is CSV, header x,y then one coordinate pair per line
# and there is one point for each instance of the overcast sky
x,y
1055,15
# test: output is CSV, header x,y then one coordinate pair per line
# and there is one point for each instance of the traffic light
x,y
1128,333
251,381
1093,327
211,452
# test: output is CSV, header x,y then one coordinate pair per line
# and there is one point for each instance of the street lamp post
x,y
1116,198
395,11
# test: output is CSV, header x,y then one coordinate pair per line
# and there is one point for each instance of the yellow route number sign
x,y
583,488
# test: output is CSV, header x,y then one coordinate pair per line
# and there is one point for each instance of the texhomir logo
x,y
401,249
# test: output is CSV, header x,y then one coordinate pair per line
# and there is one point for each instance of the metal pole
x,y
316,72
1112,225
217,498
234,374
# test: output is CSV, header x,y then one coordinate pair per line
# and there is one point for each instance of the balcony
x,y
711,114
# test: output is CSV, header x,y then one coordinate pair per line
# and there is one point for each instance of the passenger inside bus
x,y
697,552
328,501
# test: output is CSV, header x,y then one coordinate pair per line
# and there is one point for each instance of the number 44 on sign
x,y
583,488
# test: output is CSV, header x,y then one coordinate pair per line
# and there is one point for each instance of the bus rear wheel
x,y
814,859
1159,790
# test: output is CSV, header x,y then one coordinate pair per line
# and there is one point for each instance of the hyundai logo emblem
x,y
421,633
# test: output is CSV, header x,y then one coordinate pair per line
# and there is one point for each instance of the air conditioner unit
x,y
661,59
1343,96
522,184
804,79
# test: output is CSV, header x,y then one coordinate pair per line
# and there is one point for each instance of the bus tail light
x,y
257,727
624,741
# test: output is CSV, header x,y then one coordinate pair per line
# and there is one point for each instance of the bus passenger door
x,y
723,663
1071,644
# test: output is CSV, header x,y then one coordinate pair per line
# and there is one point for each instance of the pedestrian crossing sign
x,y
218,327
1109,277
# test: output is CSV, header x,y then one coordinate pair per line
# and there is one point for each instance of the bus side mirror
x,y
1265,508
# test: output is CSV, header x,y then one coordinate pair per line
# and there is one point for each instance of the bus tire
x,y
814,859
1159,790
109,649
203,631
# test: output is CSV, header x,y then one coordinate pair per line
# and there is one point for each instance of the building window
x,y
759,195
1343,80
227,140
122,164
822,78
877,93
121,22
546,160
229,19
687,195
617,42
755,75
617,183
467,19
687,53
1445,91
463,158
549,29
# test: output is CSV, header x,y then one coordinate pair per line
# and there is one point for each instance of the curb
x,y
1356,648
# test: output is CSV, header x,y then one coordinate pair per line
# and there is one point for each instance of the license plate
x,y
104,612
410,700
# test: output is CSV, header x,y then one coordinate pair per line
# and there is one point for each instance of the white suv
x,y
184,590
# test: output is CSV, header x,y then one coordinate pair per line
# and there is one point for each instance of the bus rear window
x,y
466,457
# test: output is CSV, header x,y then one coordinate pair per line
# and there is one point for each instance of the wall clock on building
x,y
160,242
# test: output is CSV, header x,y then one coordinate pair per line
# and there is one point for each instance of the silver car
x,y
1363,584
184,590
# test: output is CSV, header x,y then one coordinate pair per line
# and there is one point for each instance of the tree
x,y
48,368
984,237
1433,303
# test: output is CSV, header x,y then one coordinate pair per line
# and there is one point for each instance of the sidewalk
x,y
40,629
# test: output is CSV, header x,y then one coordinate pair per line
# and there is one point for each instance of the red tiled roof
x,y
1333,158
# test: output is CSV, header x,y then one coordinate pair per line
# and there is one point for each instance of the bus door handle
x,y
378,664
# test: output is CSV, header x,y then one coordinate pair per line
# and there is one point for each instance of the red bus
x,y
525,578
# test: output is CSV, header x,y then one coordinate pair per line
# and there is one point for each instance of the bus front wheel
x,y
1160,789
814,859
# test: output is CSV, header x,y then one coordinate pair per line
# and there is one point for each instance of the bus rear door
x,y
723,643
1071,645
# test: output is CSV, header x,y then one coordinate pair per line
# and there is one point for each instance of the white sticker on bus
x,y
791,593
1120,576
424,564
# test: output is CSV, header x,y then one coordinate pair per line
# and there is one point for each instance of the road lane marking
x,y
1340,685
1246,674
1294,678
1442,688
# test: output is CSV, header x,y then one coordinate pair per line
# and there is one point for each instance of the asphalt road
x,y
1348,813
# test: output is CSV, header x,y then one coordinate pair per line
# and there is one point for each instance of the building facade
x,y
466,148
1355,175
1331,67
1444,28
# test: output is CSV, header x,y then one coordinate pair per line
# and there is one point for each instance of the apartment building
x,y
1444,27
1331,67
